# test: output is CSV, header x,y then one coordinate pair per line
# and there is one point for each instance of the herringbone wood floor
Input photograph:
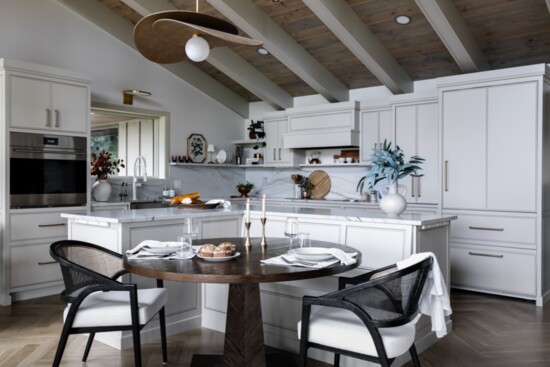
x,y
488,331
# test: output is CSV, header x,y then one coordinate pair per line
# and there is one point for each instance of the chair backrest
x,y
392,298
84,264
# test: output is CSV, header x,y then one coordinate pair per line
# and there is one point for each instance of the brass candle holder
x,y
247,243
263,242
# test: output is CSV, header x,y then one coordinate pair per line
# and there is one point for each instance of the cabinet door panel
x,y
284,155
385,127
464,149
369,133
512,122
271,141
427,186
405,138
70,105
30,103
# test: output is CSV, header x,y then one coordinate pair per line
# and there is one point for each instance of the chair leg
x,y
61,345
88,346
162,321
414,356
137,345
336,360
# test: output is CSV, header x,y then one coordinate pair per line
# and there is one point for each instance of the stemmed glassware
x,y
291,229
191,227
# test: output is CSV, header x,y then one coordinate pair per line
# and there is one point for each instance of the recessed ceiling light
x,y
263,51
402,19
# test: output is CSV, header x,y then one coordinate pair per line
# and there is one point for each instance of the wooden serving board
x,y
321,182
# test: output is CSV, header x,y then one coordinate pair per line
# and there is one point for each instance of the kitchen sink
x,y
148,204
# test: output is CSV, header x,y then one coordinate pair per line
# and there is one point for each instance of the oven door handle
x,y
47,151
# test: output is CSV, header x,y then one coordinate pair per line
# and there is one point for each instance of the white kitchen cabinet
x,y
275,127
417,133
42,104
376,126
489,135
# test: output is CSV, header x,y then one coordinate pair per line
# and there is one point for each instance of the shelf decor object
x,y
196,148
168,37
388,163
101,165
128,95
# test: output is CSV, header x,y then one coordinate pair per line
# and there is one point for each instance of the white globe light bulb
x,y
197,48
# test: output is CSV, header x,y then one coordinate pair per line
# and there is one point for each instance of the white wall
x,y
46,32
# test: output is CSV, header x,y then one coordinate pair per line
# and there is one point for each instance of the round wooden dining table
x,y
244,338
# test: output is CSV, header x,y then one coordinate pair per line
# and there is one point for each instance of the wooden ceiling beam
x,y
253,21
227,62
453,32
352,31
111,23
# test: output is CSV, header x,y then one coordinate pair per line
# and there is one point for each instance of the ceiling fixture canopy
x,y
173,36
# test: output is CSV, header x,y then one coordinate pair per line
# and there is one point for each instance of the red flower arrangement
x,y
102,164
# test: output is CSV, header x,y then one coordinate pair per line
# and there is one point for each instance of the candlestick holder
x,y
247,243
263,242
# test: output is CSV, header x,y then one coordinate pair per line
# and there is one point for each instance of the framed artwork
x,y
196,148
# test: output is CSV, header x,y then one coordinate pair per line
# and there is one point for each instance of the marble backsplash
x,y
220,182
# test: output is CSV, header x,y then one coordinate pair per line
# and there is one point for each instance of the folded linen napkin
x,y
346,259
435,301
223,203
293,261
151,244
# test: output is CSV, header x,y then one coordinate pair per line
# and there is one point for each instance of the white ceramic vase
x,y
393,202
101,190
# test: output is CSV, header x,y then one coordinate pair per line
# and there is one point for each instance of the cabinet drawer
x,y
504,230
501,270
32,264
30,226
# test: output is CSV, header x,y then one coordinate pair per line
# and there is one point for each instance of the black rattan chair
x,y
97,302
371,320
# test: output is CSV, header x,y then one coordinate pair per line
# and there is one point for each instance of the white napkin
x,y
152,244
346,259
225,203
435,300
278,260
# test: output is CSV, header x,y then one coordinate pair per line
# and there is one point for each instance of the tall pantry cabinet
x,y
495,148
44,100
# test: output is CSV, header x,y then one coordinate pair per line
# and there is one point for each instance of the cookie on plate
x,y
207,250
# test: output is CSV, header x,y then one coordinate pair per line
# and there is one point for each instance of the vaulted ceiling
x,y
328,47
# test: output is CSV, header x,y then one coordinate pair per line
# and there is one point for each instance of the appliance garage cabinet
x,y
376,126
275,126
495,139
51,105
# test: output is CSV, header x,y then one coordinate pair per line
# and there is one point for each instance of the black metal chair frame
x,y
105,284
336,299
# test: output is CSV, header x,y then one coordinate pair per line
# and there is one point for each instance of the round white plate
x,y
221,156
214,259
160,250
310,253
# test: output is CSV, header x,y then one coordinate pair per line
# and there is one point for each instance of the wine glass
x,y
291,228
191,227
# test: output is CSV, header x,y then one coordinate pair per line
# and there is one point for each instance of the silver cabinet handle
x,y
445,175
486,255
412,186
486,229
57,117
274,154
47,262
52,225
280,153
48,117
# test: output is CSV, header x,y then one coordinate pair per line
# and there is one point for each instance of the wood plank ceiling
x,y
507,32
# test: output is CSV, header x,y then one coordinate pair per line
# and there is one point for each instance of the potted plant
x,y
244,188
102,165
306,187
390,164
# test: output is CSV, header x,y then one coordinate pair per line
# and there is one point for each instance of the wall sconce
x,y
128,95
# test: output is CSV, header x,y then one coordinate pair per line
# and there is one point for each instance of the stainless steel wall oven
x,y
47,170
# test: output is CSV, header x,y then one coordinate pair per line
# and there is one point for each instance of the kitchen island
x,y
381,240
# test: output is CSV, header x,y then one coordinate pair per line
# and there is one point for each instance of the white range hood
x,y
323,126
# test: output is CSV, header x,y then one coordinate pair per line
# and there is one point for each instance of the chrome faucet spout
x,y
142,164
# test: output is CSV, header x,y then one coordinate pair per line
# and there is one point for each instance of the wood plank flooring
x,y
488,331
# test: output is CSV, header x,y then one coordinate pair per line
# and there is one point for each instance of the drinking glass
x,y
185,246
191,227
304,239
291,229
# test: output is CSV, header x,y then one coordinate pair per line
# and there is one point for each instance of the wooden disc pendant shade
x,y
161,37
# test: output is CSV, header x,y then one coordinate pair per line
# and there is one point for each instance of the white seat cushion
x,y
113,308
342,329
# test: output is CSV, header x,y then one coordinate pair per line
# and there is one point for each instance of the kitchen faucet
x,y
140,162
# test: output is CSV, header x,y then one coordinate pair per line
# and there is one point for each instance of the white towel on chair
x,y
435,301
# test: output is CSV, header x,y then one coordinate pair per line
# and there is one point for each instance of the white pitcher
x,y
393,202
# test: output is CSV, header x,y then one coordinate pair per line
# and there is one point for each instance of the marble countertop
x,y
373,215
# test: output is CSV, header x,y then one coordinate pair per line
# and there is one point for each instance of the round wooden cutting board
x,y
321,182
